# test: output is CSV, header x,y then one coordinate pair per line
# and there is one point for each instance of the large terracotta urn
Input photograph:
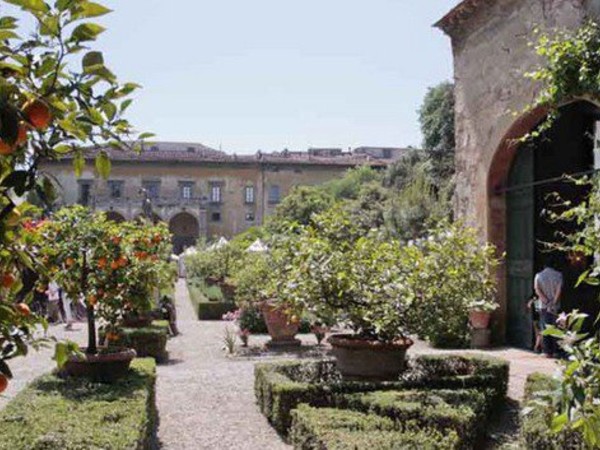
x,y
280,325
359,358
480,320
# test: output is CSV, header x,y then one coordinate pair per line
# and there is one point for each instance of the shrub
x,y
462,411
335,429
74,414
536,430
281,387
147,342
207,310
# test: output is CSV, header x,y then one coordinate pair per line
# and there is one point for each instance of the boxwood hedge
x,y
75,414
281,387
338,429
147,341
536,433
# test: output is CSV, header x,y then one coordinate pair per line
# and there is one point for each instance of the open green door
x,y
520,243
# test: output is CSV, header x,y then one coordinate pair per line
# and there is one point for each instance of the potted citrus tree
x,y
85,256
358,284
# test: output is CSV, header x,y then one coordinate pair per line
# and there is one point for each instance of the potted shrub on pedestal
x,y
84,255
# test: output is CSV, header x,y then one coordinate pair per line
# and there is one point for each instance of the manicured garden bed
x,y
74,414
338,429
281,387
148,341
208,309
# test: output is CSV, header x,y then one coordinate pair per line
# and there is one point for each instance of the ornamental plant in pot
x,y
480,313
256,289
356,282
85,256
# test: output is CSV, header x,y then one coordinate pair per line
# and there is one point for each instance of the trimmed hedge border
x,y
147,342
75,414
208,310
536,433
336,429
463,411
281,387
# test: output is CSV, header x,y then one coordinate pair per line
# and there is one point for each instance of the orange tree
x,y
57,97
114,267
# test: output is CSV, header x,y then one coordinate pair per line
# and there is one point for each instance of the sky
x,y
246,75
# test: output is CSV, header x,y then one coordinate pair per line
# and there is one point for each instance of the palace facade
x,y
202,192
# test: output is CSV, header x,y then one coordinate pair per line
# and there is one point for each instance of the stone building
x,y
502,185
199,191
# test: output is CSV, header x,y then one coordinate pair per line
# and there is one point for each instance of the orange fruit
x,y
3,383
69,262
114,265
23,308
38,114
8,279
92,300
102,262
116,240
22,137
157,238
6,149
112,337
122,261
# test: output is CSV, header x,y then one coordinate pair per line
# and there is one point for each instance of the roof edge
x,y
457,15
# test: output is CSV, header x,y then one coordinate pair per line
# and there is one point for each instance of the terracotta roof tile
x,y
461,12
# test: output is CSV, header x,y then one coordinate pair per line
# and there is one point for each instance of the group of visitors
x,y
53,304
545,306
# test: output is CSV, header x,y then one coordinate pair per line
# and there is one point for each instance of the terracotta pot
x,y
281,329
480,320
360,358
107,366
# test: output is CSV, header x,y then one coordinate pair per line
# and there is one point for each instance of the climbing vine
x,y
570,69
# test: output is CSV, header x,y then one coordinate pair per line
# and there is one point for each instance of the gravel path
x,y
206,400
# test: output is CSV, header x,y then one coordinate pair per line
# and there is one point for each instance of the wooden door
x,y
520,249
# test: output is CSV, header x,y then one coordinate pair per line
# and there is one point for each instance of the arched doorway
x,y
523,178
185,230
115,216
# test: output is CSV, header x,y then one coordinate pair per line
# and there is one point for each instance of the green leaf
x,y
30,5
86,32
62,149
91,60
78,164
144,136
559,422
63,351
91,9
103,165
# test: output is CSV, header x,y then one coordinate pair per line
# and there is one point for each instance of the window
x,y
152,188
215,193
274,194
115,189
186,190
387,153
85,193
249,194
215,217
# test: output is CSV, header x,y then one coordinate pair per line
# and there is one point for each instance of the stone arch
x,y
185,229
115,216
498,200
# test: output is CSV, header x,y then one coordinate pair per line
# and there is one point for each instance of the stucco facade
x,y
492,53
204,192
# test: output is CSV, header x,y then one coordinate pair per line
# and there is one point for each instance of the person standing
x,y
53,293
548,286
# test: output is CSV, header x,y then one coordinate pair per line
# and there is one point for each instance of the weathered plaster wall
x,y
491,56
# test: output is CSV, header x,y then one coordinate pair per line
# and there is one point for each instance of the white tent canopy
x,y
222,242
257,246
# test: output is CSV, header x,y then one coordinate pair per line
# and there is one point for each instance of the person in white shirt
x,y
548,286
